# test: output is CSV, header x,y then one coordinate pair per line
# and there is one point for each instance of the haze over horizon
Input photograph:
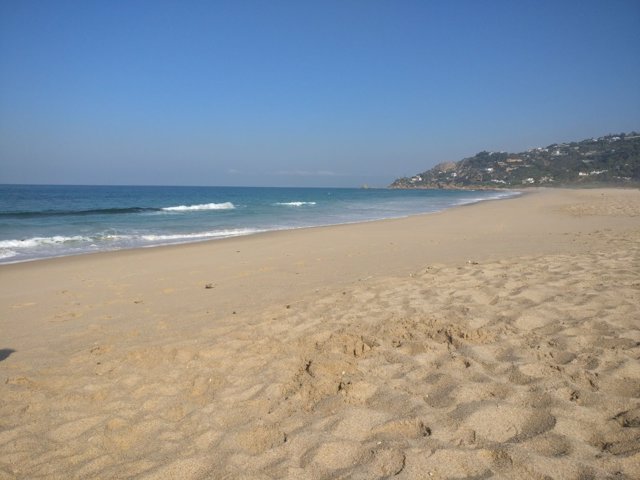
x,y
290,93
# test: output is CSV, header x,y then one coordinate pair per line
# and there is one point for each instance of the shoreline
x,y
446,233
512,194
496,339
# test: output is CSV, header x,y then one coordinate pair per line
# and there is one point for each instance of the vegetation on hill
x,y
608,160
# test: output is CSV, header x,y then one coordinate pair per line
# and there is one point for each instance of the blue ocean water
x,y
41,221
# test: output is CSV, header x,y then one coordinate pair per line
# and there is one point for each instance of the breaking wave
x,y
117,211
39,241
202,235
58,245
295,204
204,206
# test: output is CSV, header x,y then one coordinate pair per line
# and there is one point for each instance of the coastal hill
x,y
609,160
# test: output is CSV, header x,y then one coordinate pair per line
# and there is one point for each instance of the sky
x,y
302,93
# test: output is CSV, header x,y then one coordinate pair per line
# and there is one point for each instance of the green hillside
x,y
610,160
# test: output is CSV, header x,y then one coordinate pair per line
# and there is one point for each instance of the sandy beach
x,y
496,340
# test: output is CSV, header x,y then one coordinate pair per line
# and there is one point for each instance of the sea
x,y
44,221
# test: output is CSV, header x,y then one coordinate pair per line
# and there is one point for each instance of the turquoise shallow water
x,y
41,221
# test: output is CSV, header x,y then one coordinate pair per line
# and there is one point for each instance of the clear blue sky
x,y
333,93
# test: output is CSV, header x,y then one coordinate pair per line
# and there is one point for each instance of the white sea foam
x,y
295,204
201,235
39,241
495,196
204,206
7,254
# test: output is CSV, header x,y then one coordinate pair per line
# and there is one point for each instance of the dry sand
x,y
499,340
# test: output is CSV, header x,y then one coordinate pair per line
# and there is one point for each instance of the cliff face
x,y
609,160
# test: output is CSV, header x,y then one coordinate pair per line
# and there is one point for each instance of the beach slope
x,y
496,340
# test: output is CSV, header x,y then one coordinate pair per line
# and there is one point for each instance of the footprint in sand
x,y
504,423
402,429
629,418
259,439
387,462
335,455
550,445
